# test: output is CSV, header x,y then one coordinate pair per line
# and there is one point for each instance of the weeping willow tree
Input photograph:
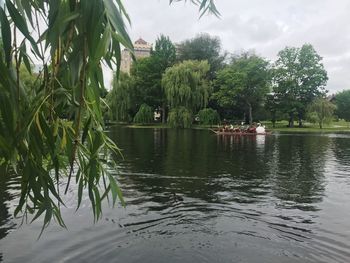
x,y
186,86
144,115
39,143
119,99
180,117
208,116
320,111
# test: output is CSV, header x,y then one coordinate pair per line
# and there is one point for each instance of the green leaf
x,y
116,192
80,192
86,129
6,36
21,25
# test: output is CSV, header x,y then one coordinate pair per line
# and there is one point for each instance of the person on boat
x,y
231,128
252,128
242,128
260,129
237,129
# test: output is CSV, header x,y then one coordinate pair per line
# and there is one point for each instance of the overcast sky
x,y
265,26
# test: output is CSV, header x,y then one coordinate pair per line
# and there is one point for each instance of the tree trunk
x,y
321,124
250,113
273,119
300,120
291,120
163,113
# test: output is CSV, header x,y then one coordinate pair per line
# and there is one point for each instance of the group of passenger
x,y
253,128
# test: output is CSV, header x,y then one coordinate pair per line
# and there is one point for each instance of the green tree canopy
x,y
208,116
244,82
121,99
342,101
180,117
185,84
144,115
165,52
203,47
299,77
147,74
321,111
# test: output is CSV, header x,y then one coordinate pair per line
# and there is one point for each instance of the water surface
x,y
196,197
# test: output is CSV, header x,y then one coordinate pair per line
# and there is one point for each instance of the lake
x,y
193,196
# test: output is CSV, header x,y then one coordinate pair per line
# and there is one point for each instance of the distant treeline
x,y
197,80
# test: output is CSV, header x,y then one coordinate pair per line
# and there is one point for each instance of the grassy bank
x,y
334,127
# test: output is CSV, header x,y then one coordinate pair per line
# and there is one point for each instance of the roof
x,y
140,41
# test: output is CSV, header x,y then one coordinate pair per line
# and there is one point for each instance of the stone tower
x,y
142,49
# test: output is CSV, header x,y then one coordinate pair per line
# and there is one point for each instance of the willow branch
x,y
78,118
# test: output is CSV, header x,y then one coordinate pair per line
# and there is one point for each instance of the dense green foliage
x,y
144,115
342,101
180,117
164,52
203,47
273,108
147,75
320,111
208,116
299,77
120,99
185,86
144,83
37,142
245,82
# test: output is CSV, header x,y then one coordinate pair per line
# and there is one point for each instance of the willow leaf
x,y
6,35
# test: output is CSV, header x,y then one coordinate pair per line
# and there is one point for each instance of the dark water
x,y
279,198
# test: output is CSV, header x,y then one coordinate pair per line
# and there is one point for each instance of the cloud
x,y
265,26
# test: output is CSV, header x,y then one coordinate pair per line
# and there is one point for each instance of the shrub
x,y
208,116
180,117
144,115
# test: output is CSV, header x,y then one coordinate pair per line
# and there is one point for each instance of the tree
x,y
165,52
147,73
299,77
121,99
36,143
185,85
180,117
203,47
244,82
321,111
342,101
273,106
144,115
208,116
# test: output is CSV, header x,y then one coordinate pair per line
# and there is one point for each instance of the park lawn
x,y
333,127
281,126
148,126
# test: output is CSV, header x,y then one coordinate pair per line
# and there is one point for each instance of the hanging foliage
x,y
180,117
320,111
120,98
57,132
36,140
185,84
144,115
208,116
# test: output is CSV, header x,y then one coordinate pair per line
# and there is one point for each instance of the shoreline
x,y
282,130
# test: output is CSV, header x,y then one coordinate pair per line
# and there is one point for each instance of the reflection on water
x,y
196,197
